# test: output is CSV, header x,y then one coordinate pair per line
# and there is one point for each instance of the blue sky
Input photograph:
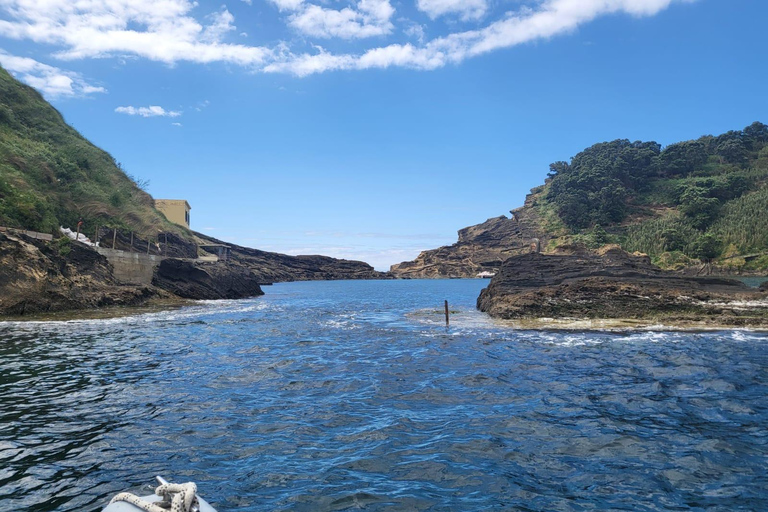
x,y
374,129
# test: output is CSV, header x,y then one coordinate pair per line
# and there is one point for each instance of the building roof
x,y
173,201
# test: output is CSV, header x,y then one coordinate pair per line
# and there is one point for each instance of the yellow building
x,y
175,210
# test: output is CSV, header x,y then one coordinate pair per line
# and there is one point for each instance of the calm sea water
x,y
354,395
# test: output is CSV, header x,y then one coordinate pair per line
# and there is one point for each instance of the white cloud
x,y
166,31
416,31
288,5
175,124
369,18
221,23
554,17
151,111
466,9
159,30
51,81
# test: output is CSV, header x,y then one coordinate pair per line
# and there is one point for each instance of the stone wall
x,y
131,267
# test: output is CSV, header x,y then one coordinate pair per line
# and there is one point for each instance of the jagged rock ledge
x,y
480,248
41,277
38,277
208,281
612,284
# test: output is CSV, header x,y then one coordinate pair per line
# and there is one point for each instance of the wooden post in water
x,y
114,237
447,315
131,241
147,245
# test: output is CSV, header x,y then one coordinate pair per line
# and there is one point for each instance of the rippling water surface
x,y
354,395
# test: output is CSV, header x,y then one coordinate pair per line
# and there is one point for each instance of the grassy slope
x,y
50,175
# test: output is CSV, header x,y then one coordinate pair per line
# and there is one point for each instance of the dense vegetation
x,y
704,199
51,176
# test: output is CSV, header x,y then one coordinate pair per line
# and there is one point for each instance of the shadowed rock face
x,y
36,278
614,284
208,281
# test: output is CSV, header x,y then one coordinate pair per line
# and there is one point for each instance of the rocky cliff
x,y
481,248
38,277
612,284
204,280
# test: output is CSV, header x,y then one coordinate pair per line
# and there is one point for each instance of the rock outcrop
x,y
272,267
613,284
38,277
481,248
203,280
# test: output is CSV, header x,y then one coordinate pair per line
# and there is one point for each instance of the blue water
x,y
753,282
354,395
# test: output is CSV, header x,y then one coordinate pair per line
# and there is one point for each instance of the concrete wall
x,y
131,267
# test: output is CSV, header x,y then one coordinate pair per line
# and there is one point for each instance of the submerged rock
x,y
614,284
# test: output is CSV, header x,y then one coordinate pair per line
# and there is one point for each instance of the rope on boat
x,y
176,498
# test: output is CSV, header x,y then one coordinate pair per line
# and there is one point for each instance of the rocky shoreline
x,y
612,284
40,277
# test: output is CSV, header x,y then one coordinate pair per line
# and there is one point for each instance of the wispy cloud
x,y
159,30
151,111
466,9
367,19
551,18
53,82
167,31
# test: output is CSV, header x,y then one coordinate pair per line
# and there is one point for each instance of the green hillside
x,y
51,176
703,199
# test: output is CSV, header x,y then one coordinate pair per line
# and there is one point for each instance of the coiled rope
x,y
176,498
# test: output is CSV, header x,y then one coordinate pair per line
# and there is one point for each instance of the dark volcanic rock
x,y
205,280
764,286
38,277
272,267
613,284
480,248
